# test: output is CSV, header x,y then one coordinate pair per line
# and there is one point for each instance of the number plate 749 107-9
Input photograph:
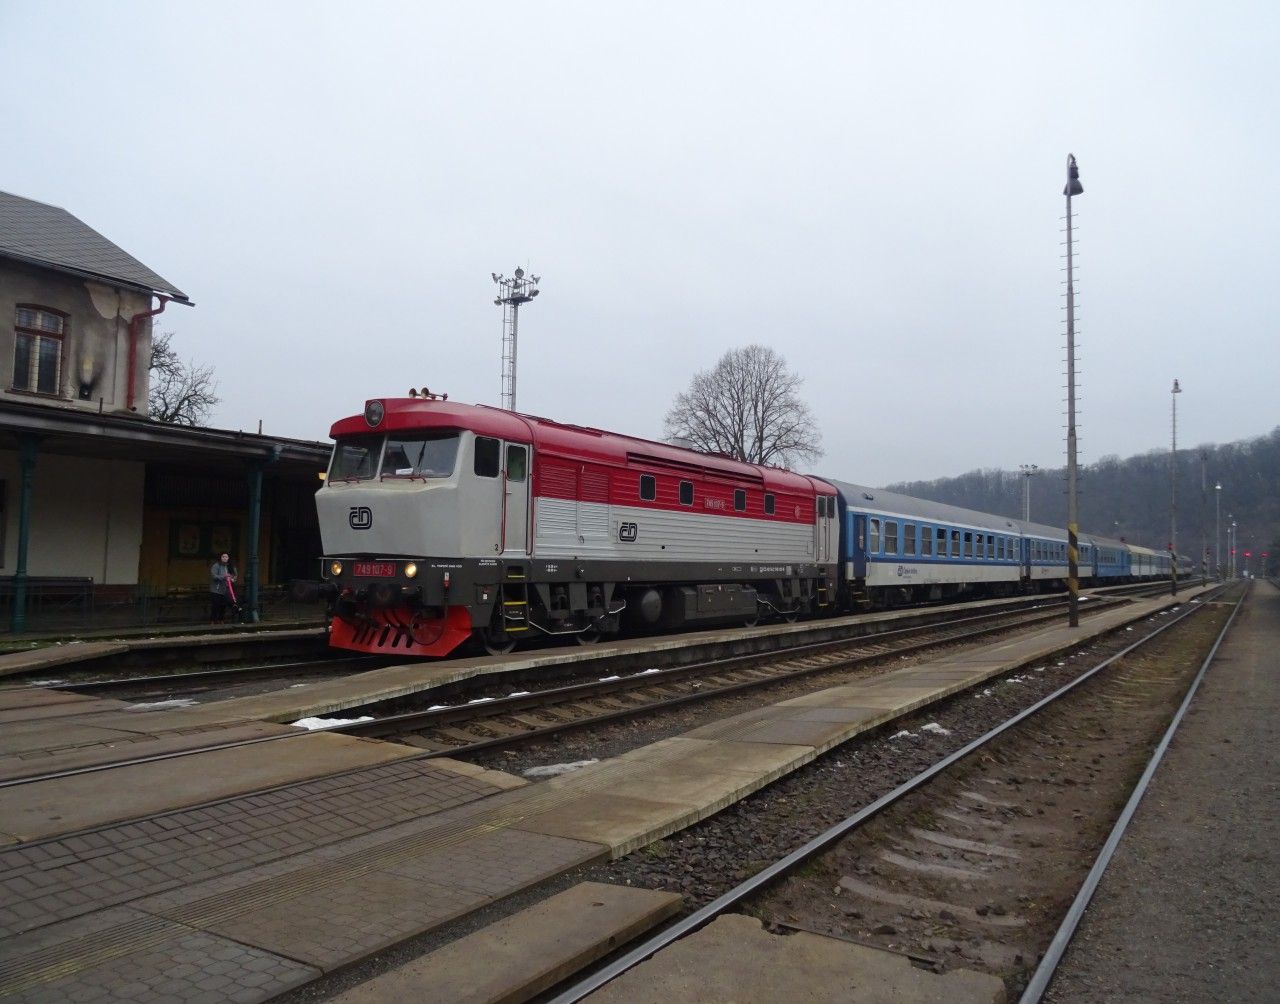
x,y
369,569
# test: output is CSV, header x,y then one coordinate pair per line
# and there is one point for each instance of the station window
x,y
968,544
686,493
770,504
955,543
488,457
648,487
739,500
909,539
890,537
37,351
873,539
926,542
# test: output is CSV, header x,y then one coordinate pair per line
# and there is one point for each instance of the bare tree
x,y
748,406
180,394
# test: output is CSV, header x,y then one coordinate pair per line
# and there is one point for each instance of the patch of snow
x,y
47,683
439,707
609,679
295,686
904,734
482,700
648,671
324,723
935,727
518,693
1128,629
554,769
1038,669
177,702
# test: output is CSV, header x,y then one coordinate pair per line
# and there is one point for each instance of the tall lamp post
x,y
1217,527
1028,472
512,292
1073,187
1173,492
1235,538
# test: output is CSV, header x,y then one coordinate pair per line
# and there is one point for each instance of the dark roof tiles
x,y
46,235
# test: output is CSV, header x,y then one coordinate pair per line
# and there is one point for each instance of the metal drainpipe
x,y
255,520
27,464
134,322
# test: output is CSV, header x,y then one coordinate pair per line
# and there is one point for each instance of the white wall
x,y
86,517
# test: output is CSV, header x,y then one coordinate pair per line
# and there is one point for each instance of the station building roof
x,y
71,432
39,234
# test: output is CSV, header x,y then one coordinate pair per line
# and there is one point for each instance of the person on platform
x,y
219,595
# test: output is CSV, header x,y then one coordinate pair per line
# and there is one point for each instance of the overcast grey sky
x,y
871,189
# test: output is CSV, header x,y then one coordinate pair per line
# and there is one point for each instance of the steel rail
x,y
338,664
778,869
1040,979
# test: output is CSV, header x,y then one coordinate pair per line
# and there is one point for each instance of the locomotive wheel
x,y
791,616
752,620
588,637
497,646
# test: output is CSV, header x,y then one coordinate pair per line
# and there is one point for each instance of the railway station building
x,y
102,507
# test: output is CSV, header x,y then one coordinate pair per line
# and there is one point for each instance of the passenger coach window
x,y
890,537
517,463
873,543
739,500
926,541
909,539
770,504
968,544
487,455
686,493
941,534
648,487
982,550
955,543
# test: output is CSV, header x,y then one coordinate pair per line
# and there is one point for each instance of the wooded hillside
x,y
1130,498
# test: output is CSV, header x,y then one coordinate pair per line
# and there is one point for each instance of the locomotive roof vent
x,y
374,412
426,395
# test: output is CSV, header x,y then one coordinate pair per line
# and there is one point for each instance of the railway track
x,y
525,717
914,871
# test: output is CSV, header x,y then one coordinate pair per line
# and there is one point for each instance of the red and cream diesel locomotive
x,y
441,521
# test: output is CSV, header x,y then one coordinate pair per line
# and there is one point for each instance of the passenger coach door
x,y
515,514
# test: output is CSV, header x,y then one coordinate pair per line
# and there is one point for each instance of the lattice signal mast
x,y
520,288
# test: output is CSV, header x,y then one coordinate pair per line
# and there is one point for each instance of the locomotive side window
x,y
648,487
739,500
770,505
909,539
488,457
355,458
686,493
873,543
517,463
420,456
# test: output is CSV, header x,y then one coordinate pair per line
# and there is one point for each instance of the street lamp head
x,y
1176,388
1073,186
1217,487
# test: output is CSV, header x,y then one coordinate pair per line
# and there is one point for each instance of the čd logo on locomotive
x,y
360,517
628,532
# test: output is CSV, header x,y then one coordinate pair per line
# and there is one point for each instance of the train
x,y
444,522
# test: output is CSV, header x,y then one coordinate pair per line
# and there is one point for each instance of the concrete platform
x,y
525,954
735,959
317,876
49,658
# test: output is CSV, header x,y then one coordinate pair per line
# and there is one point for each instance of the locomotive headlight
x,y
410,570
374,412
335,568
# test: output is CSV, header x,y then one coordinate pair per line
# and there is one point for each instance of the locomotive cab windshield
x,y
408,455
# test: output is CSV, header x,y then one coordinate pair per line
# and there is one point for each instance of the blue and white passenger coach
x,y
899,549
